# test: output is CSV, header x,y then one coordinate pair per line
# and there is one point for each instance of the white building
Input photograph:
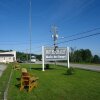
x,y
6,57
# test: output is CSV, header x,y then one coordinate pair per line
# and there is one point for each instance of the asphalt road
x,y
2,68
81,66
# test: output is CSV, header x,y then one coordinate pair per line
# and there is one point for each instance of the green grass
x,y
54,84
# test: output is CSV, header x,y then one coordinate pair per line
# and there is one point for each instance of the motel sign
x,y
52,55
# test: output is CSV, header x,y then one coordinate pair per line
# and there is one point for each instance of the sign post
x,y
43,58
68,57
49,54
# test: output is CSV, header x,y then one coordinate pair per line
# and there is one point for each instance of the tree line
x,y
76,56
21,56
83,56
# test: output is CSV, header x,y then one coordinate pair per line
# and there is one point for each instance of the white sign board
x,y
51,55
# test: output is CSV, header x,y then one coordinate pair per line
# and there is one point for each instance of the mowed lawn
x,y
54,84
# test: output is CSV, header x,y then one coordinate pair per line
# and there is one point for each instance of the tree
x,y
77,56
71,54
39,57
82,55
21,56
86,55
96,59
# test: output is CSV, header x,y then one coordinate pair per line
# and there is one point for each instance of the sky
x,y
70,17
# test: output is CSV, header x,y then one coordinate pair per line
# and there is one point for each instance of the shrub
x,y
70,71
47,66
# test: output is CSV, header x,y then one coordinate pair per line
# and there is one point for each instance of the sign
x,y
51,55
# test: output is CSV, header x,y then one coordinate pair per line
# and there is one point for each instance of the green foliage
x,y
83,56
47,66
39,57
70,71
22,56
86,55
96,59
25,57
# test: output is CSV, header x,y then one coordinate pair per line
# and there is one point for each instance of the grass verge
x,y
54,84
4,80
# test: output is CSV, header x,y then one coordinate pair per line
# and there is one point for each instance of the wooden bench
x,y
24,70
16,66
28,80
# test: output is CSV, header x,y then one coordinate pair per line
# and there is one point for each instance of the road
x,y
2,68
81,66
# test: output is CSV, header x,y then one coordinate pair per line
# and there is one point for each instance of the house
x,y
7,57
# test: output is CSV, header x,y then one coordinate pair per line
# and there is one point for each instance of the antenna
x,y
30,28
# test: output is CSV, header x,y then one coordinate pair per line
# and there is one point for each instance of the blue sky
x,y
70,16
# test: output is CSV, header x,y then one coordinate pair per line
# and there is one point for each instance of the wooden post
x,y
68,57
43,58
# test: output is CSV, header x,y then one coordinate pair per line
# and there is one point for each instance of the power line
x,y
73,39
14,44
23,43
79,38
81,33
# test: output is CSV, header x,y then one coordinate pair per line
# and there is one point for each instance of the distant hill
x,y
5,50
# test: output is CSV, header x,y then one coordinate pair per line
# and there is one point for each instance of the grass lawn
x,y
54,84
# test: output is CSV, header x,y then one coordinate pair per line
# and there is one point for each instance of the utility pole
x,y
55,37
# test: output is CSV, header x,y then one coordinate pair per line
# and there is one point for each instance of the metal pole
x,y
30,24
27,55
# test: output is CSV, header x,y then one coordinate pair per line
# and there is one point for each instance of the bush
x,y
47,66
70,71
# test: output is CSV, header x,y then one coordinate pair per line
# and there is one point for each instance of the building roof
x,y
6,55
